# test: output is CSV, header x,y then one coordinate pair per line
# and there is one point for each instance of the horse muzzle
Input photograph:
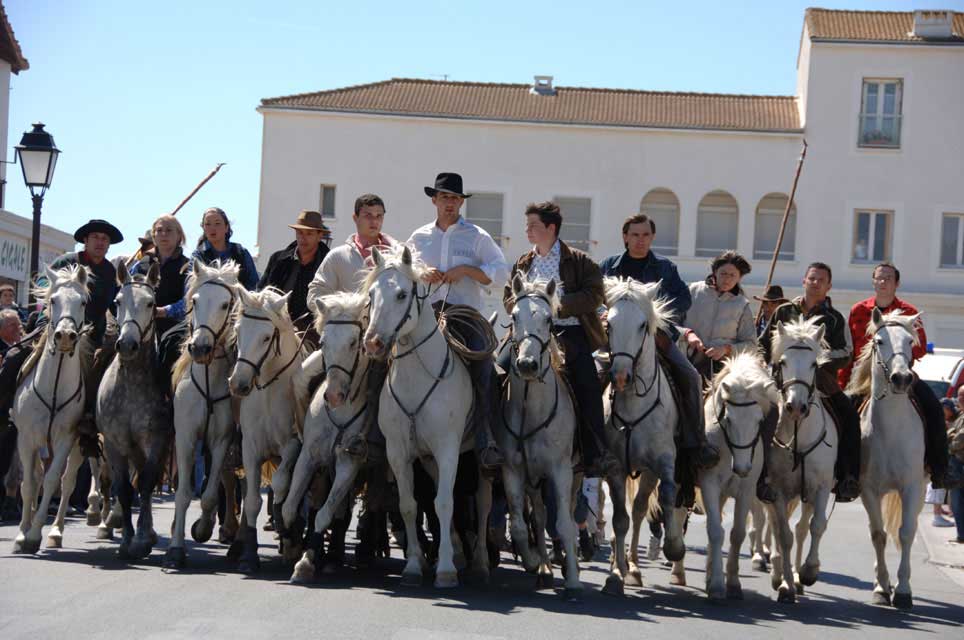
x,y
127,348
901,381
376,348
66,339
200,350
528,367
240,386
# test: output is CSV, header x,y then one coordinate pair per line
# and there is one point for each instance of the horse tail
x,y
267,470
698,507
632,488
892,508
792,506
654,512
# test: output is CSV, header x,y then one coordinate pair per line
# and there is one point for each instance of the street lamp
x,y
38,159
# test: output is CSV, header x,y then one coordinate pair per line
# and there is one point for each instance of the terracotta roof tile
x,y
569,105
9,47
871,26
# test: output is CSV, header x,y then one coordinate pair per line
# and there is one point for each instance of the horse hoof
x,y
677,580
201,531
114,520
303,573
572,594
808,575
613,586
140,549
775,582
235,551
674,551
153,537
544,581
225,536
880,597
55,541
28,546
249,565
716,595
124,552
759,564
446,580
903,601
93,518
105,533
798,588
175,558
786,595
734,592
411,579
634,578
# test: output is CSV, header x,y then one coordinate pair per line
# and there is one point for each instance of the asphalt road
x,y
83,590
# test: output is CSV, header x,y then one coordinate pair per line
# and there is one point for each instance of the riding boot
x,y
692,422
370,440
764,492
847,467
489,455
935,438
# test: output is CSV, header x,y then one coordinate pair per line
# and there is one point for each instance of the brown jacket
x,y
582,285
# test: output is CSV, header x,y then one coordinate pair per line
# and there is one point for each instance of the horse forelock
x,y
539,288
746,370
263,301
343,304
226,272
66,277
645,296
392,259
796,332
861,376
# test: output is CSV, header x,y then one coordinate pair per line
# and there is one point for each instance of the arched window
x,y
662,207
769,215
716,223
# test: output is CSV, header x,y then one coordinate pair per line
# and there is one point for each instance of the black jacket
x,y
171,287
102,285
285,272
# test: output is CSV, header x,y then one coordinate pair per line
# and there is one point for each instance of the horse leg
x,y
678,572
566,530
405,480
301,478
634,577
800,538
445,572
94,500
203,527
55,538
281,480
248,561
125,496
713,503
673,548
782,569
741,508
911,502
105,530
808,573
518,529
618,566
32,475
230,525
544,579
145,538
878,536
51,480
184,447
758,524
483,505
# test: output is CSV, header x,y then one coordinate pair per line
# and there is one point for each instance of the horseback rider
x,y
640,263
578,328
814,303
293,268
96,236
886,281
215,244
463,259
769,301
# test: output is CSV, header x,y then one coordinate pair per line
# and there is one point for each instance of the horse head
x,y
742,394
893,337
634,315
533,311
65,298
392,288
135,310
798,349
212,295
340,323
263,317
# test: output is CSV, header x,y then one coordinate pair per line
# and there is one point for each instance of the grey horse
x,y
133,410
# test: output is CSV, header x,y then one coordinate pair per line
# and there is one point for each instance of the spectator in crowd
x,y
770,300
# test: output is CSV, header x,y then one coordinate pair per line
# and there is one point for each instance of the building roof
x,y
872,26
568,105
9,47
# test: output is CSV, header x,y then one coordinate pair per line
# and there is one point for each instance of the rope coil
x,y
465,318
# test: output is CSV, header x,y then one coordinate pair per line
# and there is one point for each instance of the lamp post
x,y
38,159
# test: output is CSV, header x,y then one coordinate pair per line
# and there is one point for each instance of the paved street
x,y
82,590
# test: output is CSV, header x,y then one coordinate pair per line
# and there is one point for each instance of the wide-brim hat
x,y
447,183
310,221
99,226
774,293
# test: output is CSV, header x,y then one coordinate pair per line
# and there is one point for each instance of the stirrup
x,y
847,489
765,493
491,458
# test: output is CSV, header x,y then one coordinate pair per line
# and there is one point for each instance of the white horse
x,y
892,446
269,355
741,395
641,418
337,411
202,400
424,406
801,464
536,429
48,403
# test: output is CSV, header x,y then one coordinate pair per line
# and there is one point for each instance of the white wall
x,y
4,113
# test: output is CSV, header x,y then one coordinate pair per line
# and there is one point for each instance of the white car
x,y
942,370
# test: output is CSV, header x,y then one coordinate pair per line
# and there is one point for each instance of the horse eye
x,y
224,306
265,339
353,342
642,328
150,305
400,296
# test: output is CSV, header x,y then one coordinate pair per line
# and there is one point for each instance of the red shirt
x,y
860,315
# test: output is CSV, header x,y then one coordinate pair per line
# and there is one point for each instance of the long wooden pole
x,y
140,252
783,227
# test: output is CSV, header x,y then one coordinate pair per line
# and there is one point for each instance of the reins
x,y
210,402
143,333
722,420
623,425
275,342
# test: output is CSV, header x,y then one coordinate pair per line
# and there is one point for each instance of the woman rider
x,y
215,244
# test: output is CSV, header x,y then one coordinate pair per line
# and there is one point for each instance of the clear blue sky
x,y
145,98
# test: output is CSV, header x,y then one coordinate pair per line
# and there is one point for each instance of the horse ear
x,y
50,274
377,258
517,284
198,267
725,386
407,256
277,306
781,330
821,331
82,276
320,308
123,277
876,316
154,275
551,288
245,296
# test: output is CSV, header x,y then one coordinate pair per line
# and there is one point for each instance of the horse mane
x,y
62,277
800,330
645,296
228,273
538,287
347,303
747,370
392,259
862,373
260,300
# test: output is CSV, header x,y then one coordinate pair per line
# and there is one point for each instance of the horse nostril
x,y
788,406
58,335
72,335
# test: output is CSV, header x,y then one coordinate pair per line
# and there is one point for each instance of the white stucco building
x,y
15,231
878,100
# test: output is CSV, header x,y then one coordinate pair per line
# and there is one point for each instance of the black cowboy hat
x,y
99,226
774,293
447,183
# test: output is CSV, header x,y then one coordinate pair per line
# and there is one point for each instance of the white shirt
x,y
547,268
462,243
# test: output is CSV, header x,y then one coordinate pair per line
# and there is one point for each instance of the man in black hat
x,y
464,260
771,299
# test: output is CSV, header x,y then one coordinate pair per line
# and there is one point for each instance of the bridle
x,y
885,365
354,365
809,386
543,342
147,332
724,421
275,343
224,324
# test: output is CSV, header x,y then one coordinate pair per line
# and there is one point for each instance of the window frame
x,y
648,209
784,255
568,223
872,236
321,200
502,237
707,252
879,114
959,245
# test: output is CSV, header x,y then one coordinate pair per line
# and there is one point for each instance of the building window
x,y
576,221
662,207
872,236
327,199
769,216
716,224
485,210
880,108
952,240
